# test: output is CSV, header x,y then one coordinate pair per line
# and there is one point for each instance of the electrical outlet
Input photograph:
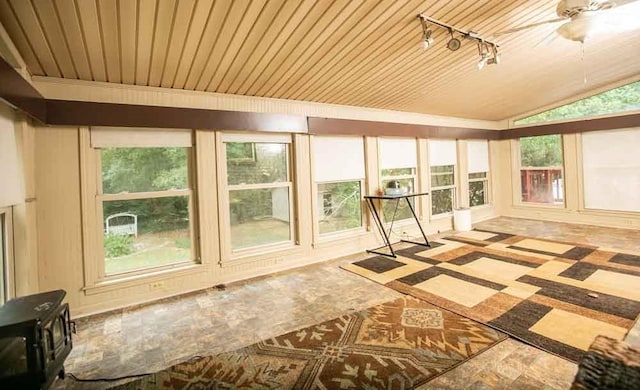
x,y
156,285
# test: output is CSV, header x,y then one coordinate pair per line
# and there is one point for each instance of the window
x,y
541,176
621,99
258,190
338,170
478,170
145,199
611,165
442,162
398,162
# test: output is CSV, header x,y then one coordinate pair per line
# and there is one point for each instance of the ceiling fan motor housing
x,y
571,8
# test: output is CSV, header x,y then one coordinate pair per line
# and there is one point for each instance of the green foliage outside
x,y
146,170
116,245
477,193
541,151
441,201
341,206
625,98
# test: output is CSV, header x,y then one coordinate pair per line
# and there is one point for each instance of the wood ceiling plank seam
x,y
128,27
10,22
359,61
109,33
192,43
237,44
163,29
367,65
49,20
498,85
303,8
311,38
416,56
210,35
88,17
119,29
26,16
501,27
339,63
97,73
72,31
236,18
251,44
416,63
147,11
177,43
322,47
287,9
292,38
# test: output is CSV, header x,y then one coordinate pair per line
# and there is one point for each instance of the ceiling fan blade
x,y
516,29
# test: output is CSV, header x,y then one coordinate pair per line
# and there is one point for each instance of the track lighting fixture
x,y
427,39
487,50
454,43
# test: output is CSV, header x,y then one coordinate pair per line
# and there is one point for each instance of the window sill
x,y
532,205
258,253
442,216
331,238
124,281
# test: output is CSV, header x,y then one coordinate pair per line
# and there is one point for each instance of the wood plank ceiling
x,y
354,52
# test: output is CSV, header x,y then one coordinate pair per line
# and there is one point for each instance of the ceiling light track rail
x,y
487,50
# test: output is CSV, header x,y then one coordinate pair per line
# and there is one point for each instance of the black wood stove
x,y
35,338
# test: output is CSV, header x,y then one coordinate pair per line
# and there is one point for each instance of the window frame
x,y
345,232
96,280
414,176
188,192
453,187
518,176
229,255
7,262
486,179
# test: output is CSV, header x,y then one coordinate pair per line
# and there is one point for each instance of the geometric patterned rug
x,y
399,344
553,295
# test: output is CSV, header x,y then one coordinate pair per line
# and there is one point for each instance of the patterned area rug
x,y
396,345
554,295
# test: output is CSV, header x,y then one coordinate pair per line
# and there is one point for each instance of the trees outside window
x,y
146,200
478,171
338,172
541,169
259,189
442,162
621,99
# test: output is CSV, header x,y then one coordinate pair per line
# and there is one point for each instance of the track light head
x,y
454,43
427,39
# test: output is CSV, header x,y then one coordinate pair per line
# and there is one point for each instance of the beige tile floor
x,y
151,337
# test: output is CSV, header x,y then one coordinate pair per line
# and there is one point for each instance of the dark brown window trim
x,y
77,113
18,92
581,126
331,126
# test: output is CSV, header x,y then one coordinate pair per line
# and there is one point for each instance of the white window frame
x,y
518,176
91,142
486,179
453,187
487,192
228,253
413,176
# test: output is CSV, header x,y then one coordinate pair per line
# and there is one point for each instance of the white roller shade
x,y
338,158
442,152
478,156
132,137
11,180
611,165
397,153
